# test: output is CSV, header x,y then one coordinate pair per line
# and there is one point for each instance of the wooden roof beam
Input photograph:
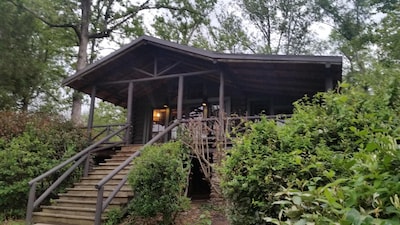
x,y
160,77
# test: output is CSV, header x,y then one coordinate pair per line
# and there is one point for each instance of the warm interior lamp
x,y
204,102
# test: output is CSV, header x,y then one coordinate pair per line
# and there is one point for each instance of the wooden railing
x,y
77,160
101,205
205,132
99,131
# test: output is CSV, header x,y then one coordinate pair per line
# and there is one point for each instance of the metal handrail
x,y
102,205
80,157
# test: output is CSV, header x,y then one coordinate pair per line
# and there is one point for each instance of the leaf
x,y
353,216
301,222
297,200
371,146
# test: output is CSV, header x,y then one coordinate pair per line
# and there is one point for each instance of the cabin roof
x,y
269,74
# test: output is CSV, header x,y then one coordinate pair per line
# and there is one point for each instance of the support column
x,y
91,112
221,98
128,135
180,98
328,78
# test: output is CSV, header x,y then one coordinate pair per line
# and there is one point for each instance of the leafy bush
x,y
158,179
336,161
39,144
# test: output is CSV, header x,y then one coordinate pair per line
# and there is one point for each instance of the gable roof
x,y
242,67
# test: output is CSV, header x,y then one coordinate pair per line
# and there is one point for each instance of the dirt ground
x,y
201,212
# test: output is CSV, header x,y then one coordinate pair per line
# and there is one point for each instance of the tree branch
x,y
48,23
106,32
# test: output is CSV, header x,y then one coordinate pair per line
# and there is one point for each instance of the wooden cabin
x,y
162,85
160,81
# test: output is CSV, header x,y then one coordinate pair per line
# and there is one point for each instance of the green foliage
x,y
114,216
158,179
336,161
34,147
284,25
29,61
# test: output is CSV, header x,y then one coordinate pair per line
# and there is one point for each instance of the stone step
x,y
61,219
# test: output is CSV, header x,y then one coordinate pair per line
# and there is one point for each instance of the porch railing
x,y
77,160
99,131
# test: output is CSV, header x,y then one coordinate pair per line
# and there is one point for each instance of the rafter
x,y
161,77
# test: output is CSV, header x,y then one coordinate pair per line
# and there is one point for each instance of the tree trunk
x,y
82,58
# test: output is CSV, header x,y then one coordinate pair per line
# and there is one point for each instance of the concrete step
x,y
60,219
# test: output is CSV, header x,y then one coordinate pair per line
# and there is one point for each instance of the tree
x,y
351,22
91,20
229,35
184,26
284,25
28,59
387,35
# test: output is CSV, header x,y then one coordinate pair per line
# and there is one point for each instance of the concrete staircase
x,y
78,205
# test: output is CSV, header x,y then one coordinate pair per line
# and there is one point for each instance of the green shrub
x,y
44,142
336,161
158,179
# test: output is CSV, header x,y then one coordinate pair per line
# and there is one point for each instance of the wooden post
x,y
91,112
221,99
180,98
328,78
128,135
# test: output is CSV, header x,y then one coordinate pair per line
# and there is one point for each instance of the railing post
x,y
99,206
180,98
87,165
128,134
91,113
31,201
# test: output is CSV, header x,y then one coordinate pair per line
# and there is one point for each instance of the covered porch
x,y
160,82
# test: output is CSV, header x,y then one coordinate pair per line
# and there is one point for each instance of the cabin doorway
x,y
160,120
198,188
